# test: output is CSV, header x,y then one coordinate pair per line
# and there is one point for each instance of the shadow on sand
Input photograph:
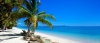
x,y
6,31
7,38
10,35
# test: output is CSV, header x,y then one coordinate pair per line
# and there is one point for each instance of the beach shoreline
x,y
19,40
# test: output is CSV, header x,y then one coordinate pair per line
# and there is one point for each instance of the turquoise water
x,y
85,34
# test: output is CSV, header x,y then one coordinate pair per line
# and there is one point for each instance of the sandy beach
x,y
6,38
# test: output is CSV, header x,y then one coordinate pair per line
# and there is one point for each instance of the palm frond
x,y
38,2
26,22
11,2
8,1
44,21
43,12
29,7
49,16
22,13
23,8
20,1
34,5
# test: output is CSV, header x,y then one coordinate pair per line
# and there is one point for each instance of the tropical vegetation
x,y
6,15
34,16
24,8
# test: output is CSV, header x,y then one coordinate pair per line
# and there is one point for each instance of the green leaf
x,y
8,1
49,16
20,1
44,21
29,7
26,22
34,5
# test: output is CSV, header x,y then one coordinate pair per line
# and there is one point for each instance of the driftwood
x,y
38,38
24,33
31,38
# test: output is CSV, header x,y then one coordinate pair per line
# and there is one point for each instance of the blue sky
x,y
72,12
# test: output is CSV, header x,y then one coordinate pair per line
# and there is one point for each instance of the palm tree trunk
x,y
4,27
0,24
33,30
28,33
29,29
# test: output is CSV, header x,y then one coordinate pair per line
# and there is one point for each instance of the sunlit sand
x,y
10,37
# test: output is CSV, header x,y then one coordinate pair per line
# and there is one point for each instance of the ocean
x,y
85,34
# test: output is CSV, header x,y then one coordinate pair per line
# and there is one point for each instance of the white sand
x,y
6,39
18,39
56,39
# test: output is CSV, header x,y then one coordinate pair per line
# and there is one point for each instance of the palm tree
x,y
40,17
7,6
33,16
15,16
30,11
